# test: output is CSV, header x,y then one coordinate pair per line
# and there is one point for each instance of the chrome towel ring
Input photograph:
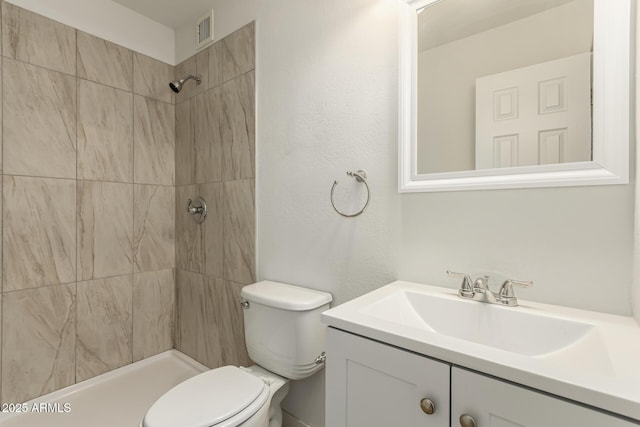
x,y
360,176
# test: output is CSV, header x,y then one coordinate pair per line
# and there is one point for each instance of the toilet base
x,y
279,388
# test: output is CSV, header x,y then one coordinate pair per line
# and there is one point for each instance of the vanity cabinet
x,y
371,384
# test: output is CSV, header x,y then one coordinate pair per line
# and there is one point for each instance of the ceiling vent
x,y
204,30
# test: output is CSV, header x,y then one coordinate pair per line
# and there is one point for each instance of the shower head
x,y
176,85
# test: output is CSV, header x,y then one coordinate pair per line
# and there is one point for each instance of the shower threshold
x,y
117,398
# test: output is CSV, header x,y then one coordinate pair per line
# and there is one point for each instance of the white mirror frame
x,y
611,114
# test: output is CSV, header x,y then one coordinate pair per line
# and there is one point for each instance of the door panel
x,y
545,107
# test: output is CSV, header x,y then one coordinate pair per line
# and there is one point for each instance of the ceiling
x,y
451,20
172,13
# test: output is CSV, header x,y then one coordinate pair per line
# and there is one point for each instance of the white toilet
x,y
285,339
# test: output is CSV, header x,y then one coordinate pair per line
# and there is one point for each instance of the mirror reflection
x,y
503,83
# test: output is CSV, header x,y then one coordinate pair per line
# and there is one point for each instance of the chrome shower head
x,y
176,85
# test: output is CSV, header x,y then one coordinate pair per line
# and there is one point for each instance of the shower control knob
x,y
198,209
467,420
427,406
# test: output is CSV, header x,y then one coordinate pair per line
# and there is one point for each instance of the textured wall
x,y
635,287
215,159
87,206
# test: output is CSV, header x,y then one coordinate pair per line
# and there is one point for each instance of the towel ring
x,y
360,176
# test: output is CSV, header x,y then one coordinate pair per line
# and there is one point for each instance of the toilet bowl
x,y
284,336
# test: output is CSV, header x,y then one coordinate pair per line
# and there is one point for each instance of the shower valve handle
x,y
198,209
194,210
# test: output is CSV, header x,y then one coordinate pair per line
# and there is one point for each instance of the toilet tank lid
x,y
285,297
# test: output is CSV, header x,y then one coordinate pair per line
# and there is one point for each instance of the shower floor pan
x,y
117,398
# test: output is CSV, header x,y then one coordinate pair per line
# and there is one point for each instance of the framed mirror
x,y
514,94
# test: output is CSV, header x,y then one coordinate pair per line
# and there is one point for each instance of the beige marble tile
x,y
220,349
154,141
183,69
2,222
208,137
238,128
190,242
185,144
39,241
238,52
190,312
213,194
105,133
105,229
210,321
154,296
229,323
38,341
215,64
236,338
202,68
39,122
154,227
151,78
35,39
104,62
239,231
1,108
104,326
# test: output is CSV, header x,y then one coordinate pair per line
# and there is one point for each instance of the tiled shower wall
x,y
88,196
215,159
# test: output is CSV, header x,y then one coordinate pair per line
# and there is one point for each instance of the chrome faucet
x,y
479,290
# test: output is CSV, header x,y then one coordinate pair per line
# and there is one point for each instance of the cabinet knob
x,y
467,421
427,406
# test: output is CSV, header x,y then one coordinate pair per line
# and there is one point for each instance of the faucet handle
x,y
466,289
506,293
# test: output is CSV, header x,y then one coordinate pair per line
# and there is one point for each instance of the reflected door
x,y
535,115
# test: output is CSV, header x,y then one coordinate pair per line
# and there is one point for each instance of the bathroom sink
x,y
582,355
506,328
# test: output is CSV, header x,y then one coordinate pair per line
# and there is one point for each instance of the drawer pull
x,y
427,406
467,421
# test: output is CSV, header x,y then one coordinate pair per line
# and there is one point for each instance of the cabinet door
x,y
370,384
495,403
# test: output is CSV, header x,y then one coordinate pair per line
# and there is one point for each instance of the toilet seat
x,y
221,397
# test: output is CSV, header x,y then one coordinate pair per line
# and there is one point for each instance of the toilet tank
x,y
282,327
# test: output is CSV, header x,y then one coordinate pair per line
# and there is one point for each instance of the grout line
x,y
133,209
2,209
174,326
88,180
88,280
13,291
77,219
86,79
42,67
14,175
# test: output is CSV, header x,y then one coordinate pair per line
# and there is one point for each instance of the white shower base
x,y
119,398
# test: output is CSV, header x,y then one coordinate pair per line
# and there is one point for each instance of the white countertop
x,y
607,378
